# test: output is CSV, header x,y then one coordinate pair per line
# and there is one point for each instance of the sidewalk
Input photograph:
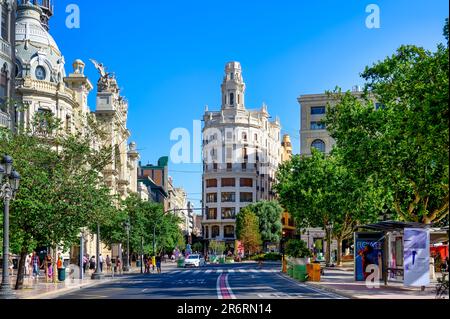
x,y
40,289
341,281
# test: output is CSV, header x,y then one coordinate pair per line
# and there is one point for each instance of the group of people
x,y
152,262
90,263
33,265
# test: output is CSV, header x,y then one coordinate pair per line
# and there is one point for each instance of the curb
x,y
332,290
320,287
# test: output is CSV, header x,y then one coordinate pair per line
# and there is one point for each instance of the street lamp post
x,y
8,190
97,274
127,228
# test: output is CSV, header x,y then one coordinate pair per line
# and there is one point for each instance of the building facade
x,y
241,152
313,132
7,60
287,221
43,87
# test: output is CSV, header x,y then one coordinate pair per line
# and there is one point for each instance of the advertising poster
x,y
239,249
368,251
417,257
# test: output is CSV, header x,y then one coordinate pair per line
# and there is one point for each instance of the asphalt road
x,y
231,281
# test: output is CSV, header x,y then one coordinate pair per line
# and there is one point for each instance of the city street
x,y
231,281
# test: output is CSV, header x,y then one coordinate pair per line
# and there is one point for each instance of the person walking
x,y
108,263
36,265
28,266
100,261
146,271
158,263
85,263
92,263
119,265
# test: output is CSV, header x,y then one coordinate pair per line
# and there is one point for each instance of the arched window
x,y
319,145
231,98
244,136
3,86
215,231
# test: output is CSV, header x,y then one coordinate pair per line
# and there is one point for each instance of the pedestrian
x,y
149,264
92,263
147,269
158,263
59,263
119,265
48,266
108,263
85,263
10,265
36,264
100,261
28,265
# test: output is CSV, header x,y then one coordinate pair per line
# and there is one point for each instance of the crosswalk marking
x,y
225,271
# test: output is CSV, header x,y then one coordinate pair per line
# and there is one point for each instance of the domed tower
x,y
37,53
233,87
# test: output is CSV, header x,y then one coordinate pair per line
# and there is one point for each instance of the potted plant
x,y
298,252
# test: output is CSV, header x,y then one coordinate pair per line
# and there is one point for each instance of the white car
x,y
194,261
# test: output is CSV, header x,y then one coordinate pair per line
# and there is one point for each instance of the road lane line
x,y
231,270
196,272
219,271
219,294
208,271
229,288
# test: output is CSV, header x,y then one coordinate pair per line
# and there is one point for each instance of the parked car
x,y
194,261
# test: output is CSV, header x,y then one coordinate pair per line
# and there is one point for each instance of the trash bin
x,y
290,271
300,273
180,263
61,274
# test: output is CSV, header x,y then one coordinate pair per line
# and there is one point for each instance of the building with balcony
x,y
43,87
7,58
241,152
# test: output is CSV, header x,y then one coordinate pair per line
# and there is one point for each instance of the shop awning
x,y
390,225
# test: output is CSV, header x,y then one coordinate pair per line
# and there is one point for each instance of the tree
x,y
217,247
269,216
320,192
247,230
197,247
297,248
60,181
403,144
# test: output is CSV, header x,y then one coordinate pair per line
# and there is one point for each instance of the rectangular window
x,y
211,198
317,125
228,232
246,197
228,197
246,182
318,110
211,183
212,213
229,167
228,182
215,231
244,166
215,166
228,213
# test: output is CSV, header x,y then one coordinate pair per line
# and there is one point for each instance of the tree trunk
x,y
339,252
21,270
328,251
54,265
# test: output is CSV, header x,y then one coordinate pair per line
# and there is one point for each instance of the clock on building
x,y
40,73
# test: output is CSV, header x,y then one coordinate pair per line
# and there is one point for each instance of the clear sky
x,y
169,56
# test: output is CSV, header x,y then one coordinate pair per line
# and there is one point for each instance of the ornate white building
x,y
7,58
43,87
241,152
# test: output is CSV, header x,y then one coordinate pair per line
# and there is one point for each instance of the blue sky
x,y
169,56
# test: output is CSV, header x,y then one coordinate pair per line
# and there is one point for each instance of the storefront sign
x,y
417,257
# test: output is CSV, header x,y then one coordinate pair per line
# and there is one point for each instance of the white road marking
x,y
208,271
219,294
197,271
242,270
229,288
219,271
230,270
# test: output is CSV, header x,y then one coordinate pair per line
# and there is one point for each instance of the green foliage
x,y
217,247
268,257
197,247
297,248
269,216
247,230
403,146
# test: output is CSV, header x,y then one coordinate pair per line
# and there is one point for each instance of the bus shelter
x,y
400,251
